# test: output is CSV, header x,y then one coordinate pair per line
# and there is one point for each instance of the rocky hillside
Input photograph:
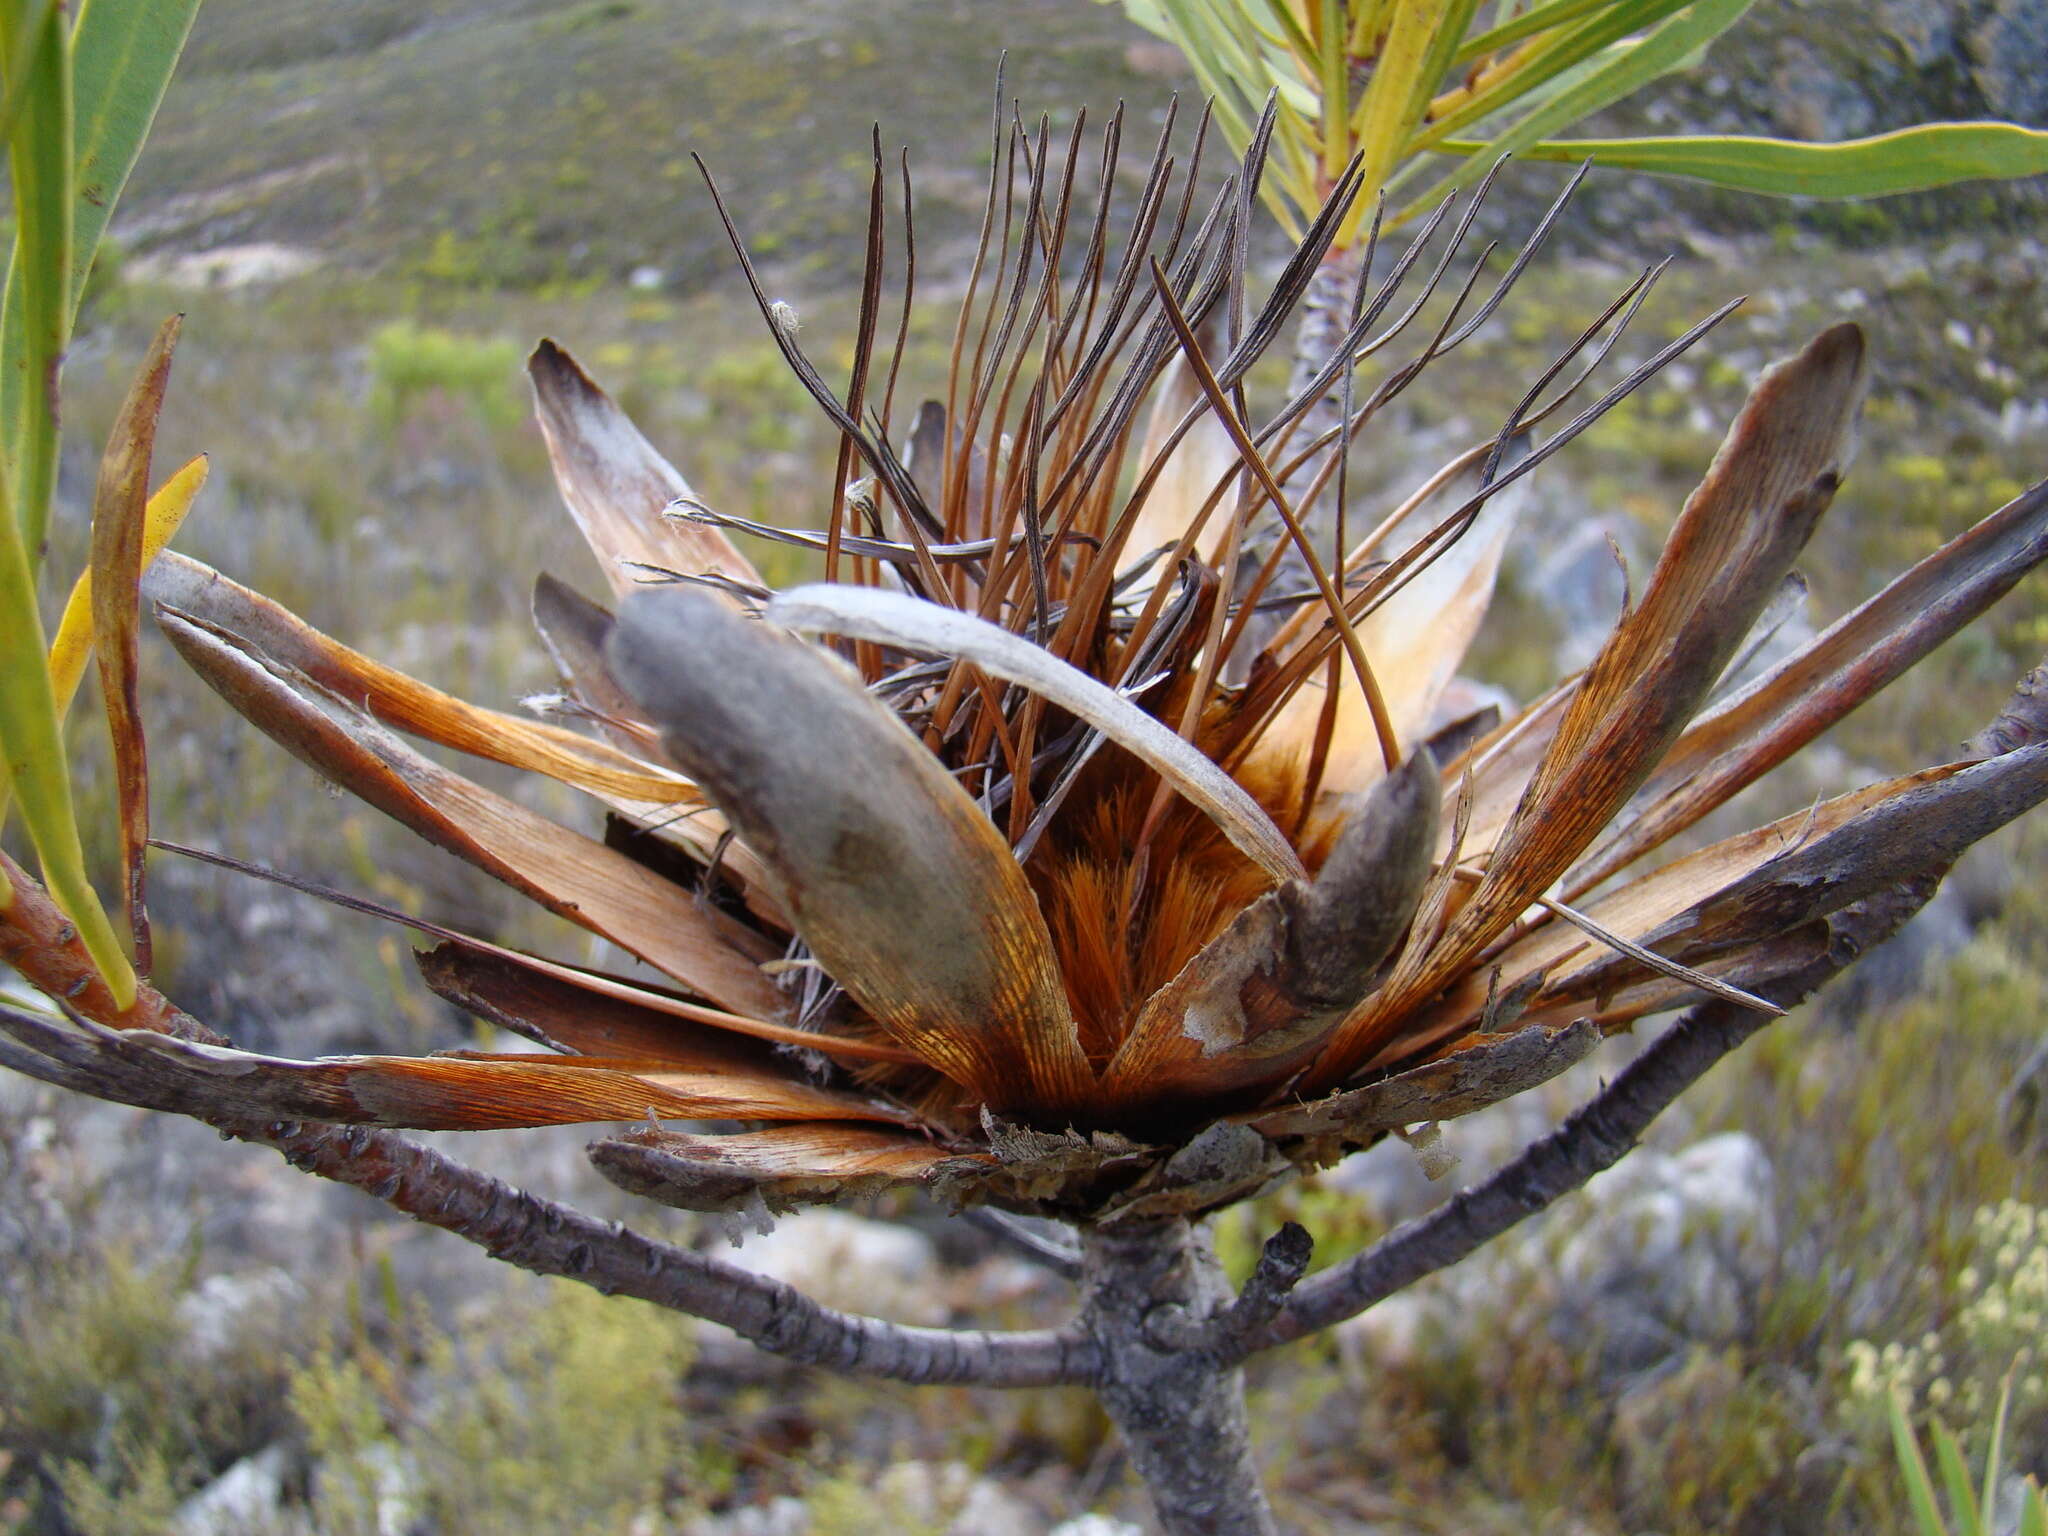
x,y
522,141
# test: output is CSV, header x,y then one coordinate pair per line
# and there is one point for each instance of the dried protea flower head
x,y
1104,836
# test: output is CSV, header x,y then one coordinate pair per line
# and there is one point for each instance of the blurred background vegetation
x,y
369,212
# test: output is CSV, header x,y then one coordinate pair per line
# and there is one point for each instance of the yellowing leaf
x,y
72,648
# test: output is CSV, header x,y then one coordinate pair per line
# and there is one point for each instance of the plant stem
x,y
1319,328
1149,1291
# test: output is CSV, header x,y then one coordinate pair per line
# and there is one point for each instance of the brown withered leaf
x,y
612,989
1924,826
1501,765
781,1167
564,871
1733,543
1482,1070
1737,742
400,701
494,1092
1638,910
616,485
1752,969
556,1012
1223,1164
119,502
900,885
573,629
1257,1001
1028,1166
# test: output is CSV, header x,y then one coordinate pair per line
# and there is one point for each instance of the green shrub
x,y
562,1415
412,363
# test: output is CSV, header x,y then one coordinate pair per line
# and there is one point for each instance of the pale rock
x,y
1389,1183
2006,49
920,1494
1001,1281
230,266
258,1312
378,1477
1581,580
782,1516
1669,1251
1403,1333
849,1261
1812,100
2019,419
1925,29
1095,1525
1656,1255
245,1498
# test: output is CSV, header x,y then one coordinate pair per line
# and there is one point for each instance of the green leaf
x,y
33,755
1908,160
1386,113
2034,1512
1996,1454
1332,71
1913,1471
110,71
1622,71
123,52
35,326
1539,18
1289,24
15,80
1955,1477
1212,47
1601,36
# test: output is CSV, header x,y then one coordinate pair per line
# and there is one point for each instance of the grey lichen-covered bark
x,y
1152,1294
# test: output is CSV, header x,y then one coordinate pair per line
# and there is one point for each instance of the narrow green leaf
x,y
1955,1478
2034,1511
1429,77
1539,18
1908,160
1303,45
1199,36
1146,14
1602,35
1333,70
32,341
1386,112
1442,49
34,755
123,52
15,81
1913,1471
1996,1454
1623,71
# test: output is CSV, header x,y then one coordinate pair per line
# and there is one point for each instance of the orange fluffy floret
x,y
1127,910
